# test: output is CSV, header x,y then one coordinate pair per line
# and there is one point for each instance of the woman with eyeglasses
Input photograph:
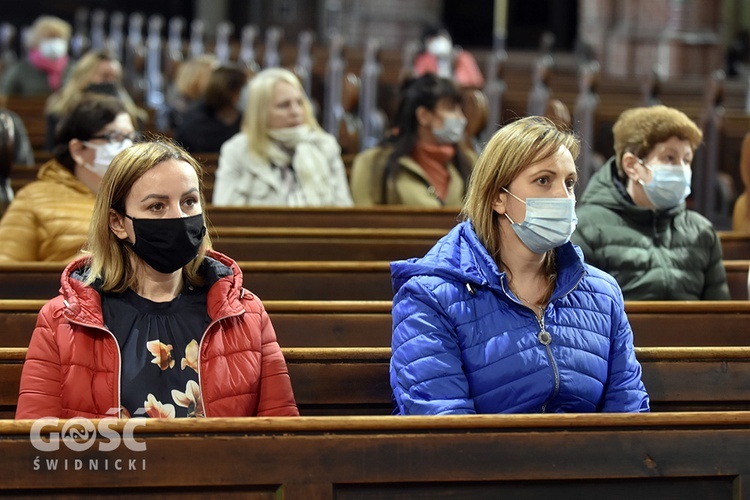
x,y
49,218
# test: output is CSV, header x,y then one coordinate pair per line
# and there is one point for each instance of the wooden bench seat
x,y
368,323
615,456
354,381
324,243
363,217
292,280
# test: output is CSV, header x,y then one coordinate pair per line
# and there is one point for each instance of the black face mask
x,y
104,89
168,244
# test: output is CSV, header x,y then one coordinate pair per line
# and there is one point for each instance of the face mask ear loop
x,y
508,217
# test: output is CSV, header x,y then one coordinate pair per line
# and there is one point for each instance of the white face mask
x,y
452,130
53,48
440,47
104,154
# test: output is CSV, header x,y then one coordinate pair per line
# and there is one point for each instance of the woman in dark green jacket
x,y
632,218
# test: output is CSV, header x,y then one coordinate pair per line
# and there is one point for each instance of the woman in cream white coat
x,y
282,156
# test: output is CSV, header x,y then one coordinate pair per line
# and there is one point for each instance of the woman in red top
x,y
153,322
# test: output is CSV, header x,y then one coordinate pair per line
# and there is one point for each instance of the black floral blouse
x,y
159,344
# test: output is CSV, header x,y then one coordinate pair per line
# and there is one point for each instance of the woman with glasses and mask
x,y
49,218
633,222
425,162
153,322
503,315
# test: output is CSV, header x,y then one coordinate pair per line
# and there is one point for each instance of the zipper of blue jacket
x,y
545,338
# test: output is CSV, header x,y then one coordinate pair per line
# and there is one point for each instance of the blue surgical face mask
x,y
549,222
669,186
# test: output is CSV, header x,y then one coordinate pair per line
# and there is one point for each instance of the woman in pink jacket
x,y
153,322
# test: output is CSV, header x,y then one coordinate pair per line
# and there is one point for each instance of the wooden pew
x,y
275,244
354,381
615,456
293,280
368,323
735,246
352,217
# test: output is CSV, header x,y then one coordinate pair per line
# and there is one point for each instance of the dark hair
x,y
433,30
223,83
88,117
426,91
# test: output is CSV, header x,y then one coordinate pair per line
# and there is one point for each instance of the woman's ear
x,y
424,116
76,147
499,204
117,224
629,163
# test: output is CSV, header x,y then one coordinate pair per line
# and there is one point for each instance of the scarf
x,y
434,159
53,67
307,150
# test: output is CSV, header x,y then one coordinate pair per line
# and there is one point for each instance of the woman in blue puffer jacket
x,y
502,315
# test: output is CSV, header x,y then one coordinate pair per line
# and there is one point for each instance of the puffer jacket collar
x,y
54,171
460,256
83,303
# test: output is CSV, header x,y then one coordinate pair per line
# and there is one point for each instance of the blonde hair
x,y
62,101
513,148
44,25
111,257
192,75
259,101
639,130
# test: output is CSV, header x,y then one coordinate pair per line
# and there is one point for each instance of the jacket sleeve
x,y
228,177
275,396
41,378
625,391
339,181
426,370
366,178
18,230
583,236
715,283
466,72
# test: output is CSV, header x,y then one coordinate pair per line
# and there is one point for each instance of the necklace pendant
x,y
544,337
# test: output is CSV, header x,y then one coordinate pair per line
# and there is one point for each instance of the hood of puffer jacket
x,y
605,189
55,172
222,275
461,257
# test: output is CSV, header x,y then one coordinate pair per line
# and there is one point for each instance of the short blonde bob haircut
x,y
259,102
513,148
639,130
111,257
48,27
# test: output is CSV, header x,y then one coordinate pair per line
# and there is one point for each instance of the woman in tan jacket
x,y
49,218
424,163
